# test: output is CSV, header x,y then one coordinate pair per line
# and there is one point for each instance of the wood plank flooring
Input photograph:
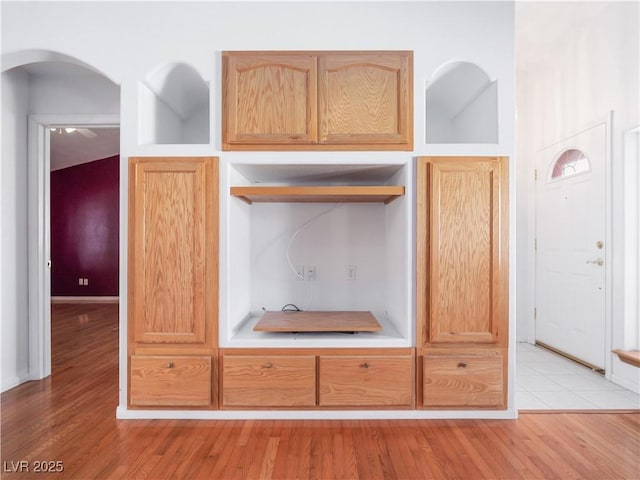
x,y
70,418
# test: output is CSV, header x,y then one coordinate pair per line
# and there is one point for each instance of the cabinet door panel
x,y
269,98
172,289
365,98
462,259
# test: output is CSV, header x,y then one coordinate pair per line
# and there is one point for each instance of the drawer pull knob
x,y
462,365
268,365
170,365
364,365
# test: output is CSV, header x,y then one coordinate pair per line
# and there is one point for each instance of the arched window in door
x,y
570,162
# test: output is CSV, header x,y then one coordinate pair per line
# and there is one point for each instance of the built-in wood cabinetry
x,y
317,100
353,379
462,281
171,380
317,378
172,281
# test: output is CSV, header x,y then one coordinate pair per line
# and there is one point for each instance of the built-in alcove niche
x,y
461,105
358,248
174,106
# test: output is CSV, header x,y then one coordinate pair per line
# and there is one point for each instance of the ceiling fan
x,y
85,132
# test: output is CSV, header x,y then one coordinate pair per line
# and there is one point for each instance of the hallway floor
x,y
548,381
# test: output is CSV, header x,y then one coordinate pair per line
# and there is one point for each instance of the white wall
x,y
13,247
24,94
127,41
592,70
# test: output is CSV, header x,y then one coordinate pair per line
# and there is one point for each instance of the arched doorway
x,y
73,94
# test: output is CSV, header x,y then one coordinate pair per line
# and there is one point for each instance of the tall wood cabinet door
x,y
462,254
173,250
366,98
269,98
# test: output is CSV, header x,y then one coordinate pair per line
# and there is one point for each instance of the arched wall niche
x,y
28,57
174,106
461,105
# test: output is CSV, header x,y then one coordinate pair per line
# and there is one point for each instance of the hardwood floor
x,y
70,418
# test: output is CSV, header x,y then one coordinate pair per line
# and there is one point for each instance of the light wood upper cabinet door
x,y
462,271
269,98
172,250
366,98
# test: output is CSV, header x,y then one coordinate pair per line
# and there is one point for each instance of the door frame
x,y
39,225
631,153
608,257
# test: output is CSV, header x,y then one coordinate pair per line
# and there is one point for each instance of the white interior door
x,y
570,246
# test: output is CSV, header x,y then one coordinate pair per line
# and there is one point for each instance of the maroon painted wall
x,y
85,228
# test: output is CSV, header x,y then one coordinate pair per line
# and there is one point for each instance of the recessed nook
x,y
294,243
461,105
174,106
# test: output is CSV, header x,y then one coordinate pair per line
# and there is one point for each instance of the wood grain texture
x,y
462,271
170,380
268,381
468,379
70,417
365,380
318,193
365,97
304,321
271,100
173,245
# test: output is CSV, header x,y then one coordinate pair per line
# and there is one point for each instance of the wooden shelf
x,y
632,357
300,321
318,194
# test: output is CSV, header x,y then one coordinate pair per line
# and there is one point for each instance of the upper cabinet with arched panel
x,y
174,106
461,105
336,100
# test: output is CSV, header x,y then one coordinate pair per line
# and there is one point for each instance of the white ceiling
x,y
73,148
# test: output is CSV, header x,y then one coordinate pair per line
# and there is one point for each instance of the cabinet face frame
x,y
398,66
495,172
143,344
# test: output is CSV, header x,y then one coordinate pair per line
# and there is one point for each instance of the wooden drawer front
x,y
268,381
170,381
463,380
366,380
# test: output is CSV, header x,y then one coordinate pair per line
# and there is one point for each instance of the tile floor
x,y
548,381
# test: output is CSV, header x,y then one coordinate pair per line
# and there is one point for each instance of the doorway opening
x,y
83,101
571,247
84,200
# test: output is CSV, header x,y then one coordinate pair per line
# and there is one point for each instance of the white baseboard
x,y
8,384
85,299
123,413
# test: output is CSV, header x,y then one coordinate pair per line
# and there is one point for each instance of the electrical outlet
x,y
86,281
80,282
349,272
311,272
300,272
